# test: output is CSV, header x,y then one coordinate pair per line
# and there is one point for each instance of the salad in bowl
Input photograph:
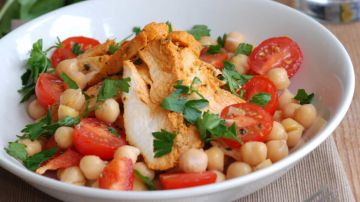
x,y
161,109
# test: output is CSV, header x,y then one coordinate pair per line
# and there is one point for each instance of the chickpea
x,y
285,97
238,169
193,160
215,158
35,110
240,63
207,41
289,109
305,115
294,137
32,147
253,153
108,111
73,98
91,166
232,41
263,164
65,111
144,170
127,151
277,132
277,115
277,150
72,175
219,176
279,77
63,137
139,185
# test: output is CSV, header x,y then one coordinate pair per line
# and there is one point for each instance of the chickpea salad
x,y
161,109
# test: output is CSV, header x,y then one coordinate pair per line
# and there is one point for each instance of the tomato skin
x,y
92,137
276,52
118,175
65,52
67,159
260,84
215,59
185,180
254,120
48,89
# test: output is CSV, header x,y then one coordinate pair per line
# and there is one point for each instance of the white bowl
x,y
327,71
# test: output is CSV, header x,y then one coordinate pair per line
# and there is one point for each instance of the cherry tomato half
x,y
184,180
118,175
252,122
215,59
92,137
48,89
65,52
276,52
261,84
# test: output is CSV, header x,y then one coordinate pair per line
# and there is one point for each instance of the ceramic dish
x,y
327,71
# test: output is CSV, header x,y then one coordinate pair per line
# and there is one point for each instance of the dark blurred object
x,y
25,10
337,11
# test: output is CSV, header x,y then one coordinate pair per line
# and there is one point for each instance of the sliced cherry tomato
x,y
118,175
253,122
184,180
51,143
261,84
276,52
67,159
92,137
48,89
65,52
215,59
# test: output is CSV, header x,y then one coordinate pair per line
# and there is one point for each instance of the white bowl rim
x,y
201,190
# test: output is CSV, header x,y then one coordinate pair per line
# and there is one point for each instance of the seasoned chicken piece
x,y
184,39
99,50
142,117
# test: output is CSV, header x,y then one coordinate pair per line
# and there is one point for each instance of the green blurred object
x,y
27,10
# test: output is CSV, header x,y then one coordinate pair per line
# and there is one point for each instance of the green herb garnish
x,y
113,131
233,79
34,162
111,87
303,97
261,99
136,30
199,31
17,150
146,180
170,26
221,40
163,142
214,49
244,48
76,49
71,83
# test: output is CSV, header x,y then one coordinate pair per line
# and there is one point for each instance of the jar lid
x,y
339,11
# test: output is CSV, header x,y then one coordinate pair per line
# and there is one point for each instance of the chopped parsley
x,y
136,30
214,49
145,179
244,48
170,26
113,131
70,83
199,31
76,49
261,99
37,63
303,97
34,162
113,48
163,142
111,87
233,79
17,150
221,40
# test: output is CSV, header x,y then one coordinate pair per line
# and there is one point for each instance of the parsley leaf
x,y
199,31
233,79
170,26
303,97
261,99
76,49
113,131
17,150
192,109
146,180
136,30
33,162
214,49
174,102
244,48
110,88
37,63
71,83
34,130
221,40
67,121
113,48
163,142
